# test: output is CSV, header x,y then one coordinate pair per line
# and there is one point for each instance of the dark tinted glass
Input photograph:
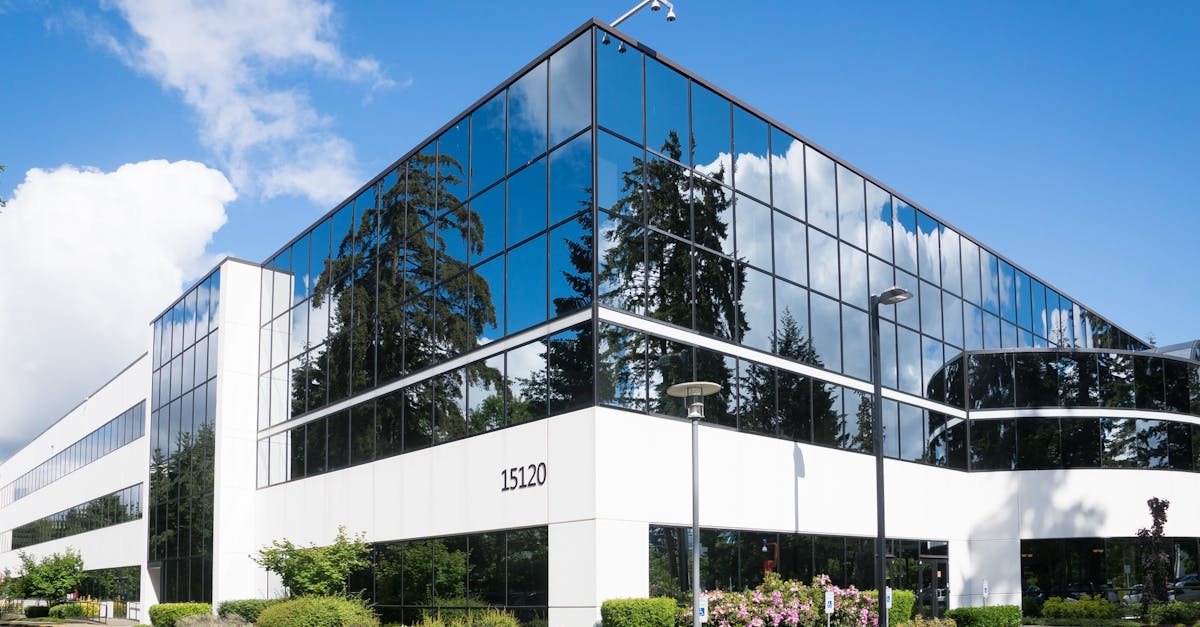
x,y
1078,385
1120,442
990,381
993,444
1036,380
417,401
1116,380
1081,442
757,399
1176,375
569,370
1179,446
1149,382
1038,443
315,439
339,440
795,397
528,567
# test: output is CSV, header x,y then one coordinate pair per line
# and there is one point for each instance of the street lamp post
x,y
693,394
890,296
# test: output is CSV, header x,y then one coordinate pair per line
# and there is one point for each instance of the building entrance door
x,y
932,591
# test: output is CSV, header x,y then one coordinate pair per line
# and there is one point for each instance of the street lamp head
x,y
893,295
656,6
671,14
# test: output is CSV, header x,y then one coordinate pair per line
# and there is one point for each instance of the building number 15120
x,y
519,477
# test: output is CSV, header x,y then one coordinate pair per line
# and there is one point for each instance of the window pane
x,y
571,179
929,248
527,117
527,202
757,308
851,208
990,379
904,230
619,176
792,262
754,232
856,351
1081,442
619,87
571,265
751,162
1038,444
993,444
854,276
487,142
571,89
453,160
826,332
822,190
879,222
527,289
711,134
823,262
487,230
951,261
666,111
1036,380
787,173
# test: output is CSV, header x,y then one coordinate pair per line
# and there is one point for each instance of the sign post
x,y
888,597
703,608
985,591
828,606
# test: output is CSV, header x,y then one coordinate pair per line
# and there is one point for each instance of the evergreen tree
x,y
1156,560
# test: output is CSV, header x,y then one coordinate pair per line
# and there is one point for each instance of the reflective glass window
x,y
755,384
856,348
450,411
753,232
666,111
887,354
1120,442
879,222
619,176
1008,301
485,395
912,433
1179,446
715,282
1149,383
822,190
951,260
621,264
795,397
826,332
993,444
526,377
932,362
1078,382
671,193
971,272
991,332
1035,380
487,224
791,320
1081,442
571,265
787,173
854,276
908,312
1023,302
904,231
929,248
338,447
487,291
952,320
757,308
621,381
711,134
569,371
931,310
619,87
1116,380
453,161
1038,299
1176,374
527,123
1038,443
571,89
571,179
1153,444
882,276
527,289
527,202
908,354
990,380
851,208
823,262
488,142
990,266
751,164
792,262
362,433
827,414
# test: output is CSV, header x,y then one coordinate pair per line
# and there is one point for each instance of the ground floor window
x,y
1110,567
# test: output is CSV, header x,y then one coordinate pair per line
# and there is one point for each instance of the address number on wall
x,y
520,477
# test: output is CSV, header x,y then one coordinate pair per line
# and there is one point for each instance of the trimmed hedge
x,y
1086,607
1080,622
1177,613
75,610
921,621
165,614
903,602
246,609
990,616
318,611
655,612
37,611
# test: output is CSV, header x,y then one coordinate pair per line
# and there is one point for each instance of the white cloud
x,y
222,57
87,258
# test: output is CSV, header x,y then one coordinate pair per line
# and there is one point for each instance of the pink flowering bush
x,y
777,602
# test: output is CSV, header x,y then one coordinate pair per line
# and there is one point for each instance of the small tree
x,y
52,578
319,570
1156,561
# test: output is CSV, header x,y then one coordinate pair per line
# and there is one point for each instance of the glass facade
x,y
1107,567
736,559
114,434
454,575
105,511
182,428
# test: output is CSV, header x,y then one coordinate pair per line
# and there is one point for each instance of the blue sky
x,y
1061,134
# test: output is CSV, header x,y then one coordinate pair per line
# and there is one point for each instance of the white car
x,y
1187,588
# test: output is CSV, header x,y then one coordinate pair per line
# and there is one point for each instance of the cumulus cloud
x,y
226,57
87,258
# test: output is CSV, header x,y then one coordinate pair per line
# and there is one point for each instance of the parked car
x,y
1134,596
1187,588
1034,593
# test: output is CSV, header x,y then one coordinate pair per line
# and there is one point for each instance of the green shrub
x,y
75,610
990,616
1081,622
37,611
245,609
454,610
208,620
165,614
655,612
1086,607
318,611
1177,613
921,621
478,618
903,602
